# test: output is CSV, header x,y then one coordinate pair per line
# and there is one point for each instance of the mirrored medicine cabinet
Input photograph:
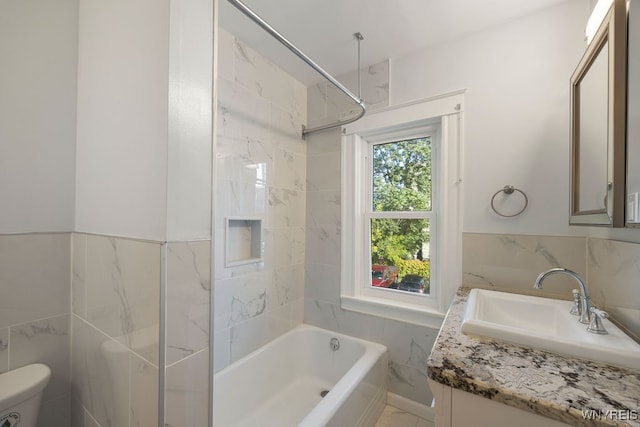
x,y
633,116
598,130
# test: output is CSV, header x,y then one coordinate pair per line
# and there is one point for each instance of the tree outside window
x,y
401,211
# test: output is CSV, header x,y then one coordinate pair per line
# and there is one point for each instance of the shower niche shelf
x,y
243,241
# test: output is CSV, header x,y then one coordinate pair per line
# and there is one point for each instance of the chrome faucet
x,y
585,306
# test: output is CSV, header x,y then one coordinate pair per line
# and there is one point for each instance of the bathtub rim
x,y
302,327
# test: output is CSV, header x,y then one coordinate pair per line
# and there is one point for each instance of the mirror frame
x,y
611,31
633,105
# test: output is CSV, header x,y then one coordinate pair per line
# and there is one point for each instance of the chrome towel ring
x,y
508,190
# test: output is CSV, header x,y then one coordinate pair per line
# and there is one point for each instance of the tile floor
x,y
394,417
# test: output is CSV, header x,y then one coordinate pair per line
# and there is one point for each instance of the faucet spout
x,y
585,316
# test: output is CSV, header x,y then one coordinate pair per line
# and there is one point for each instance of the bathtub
x,y
281,383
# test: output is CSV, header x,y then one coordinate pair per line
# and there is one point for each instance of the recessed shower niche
x,y
243,241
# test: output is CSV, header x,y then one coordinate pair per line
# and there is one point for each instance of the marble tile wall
x,y
115,329
261,173
409,345
187,333
115,290
34,314
188,295
187,392
326,104
614,280
513,262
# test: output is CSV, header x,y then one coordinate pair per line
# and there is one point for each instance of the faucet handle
x,y
596,326
603,314
576,310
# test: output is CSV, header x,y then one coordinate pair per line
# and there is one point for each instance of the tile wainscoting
x,y
115,351
70,299
614,280
35,313
115,292
187,334
88,307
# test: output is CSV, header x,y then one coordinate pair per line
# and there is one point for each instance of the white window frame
x,y
440,117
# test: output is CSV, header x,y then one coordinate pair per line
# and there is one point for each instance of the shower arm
x,y
286,43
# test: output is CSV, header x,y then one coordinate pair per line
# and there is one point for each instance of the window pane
x,y
400,254
402,175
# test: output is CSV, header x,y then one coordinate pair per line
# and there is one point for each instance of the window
x,y
399,216
401,192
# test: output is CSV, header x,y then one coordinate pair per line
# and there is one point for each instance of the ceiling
x,y
323,29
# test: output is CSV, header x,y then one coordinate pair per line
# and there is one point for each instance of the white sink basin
x,y
545,324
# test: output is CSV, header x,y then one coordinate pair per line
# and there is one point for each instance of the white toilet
x,y
20,394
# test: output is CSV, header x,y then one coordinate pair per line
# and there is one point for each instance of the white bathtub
x,y
280,383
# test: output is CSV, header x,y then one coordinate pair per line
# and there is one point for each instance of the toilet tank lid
x,y
20,384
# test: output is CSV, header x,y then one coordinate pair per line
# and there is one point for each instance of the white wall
x,y
122,123
38,47
517,112
190,120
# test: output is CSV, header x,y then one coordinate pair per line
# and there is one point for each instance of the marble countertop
x,y
548,384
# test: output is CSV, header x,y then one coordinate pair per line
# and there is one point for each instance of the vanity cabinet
x,y
457,408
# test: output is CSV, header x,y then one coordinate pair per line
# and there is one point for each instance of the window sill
x,y
394,310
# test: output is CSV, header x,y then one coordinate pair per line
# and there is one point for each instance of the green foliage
x,y
393,240
401,182
386,245
413,266
402,175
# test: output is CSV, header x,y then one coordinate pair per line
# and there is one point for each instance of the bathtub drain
x,y
323,393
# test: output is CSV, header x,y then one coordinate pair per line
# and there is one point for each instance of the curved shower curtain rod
x,y
268,28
